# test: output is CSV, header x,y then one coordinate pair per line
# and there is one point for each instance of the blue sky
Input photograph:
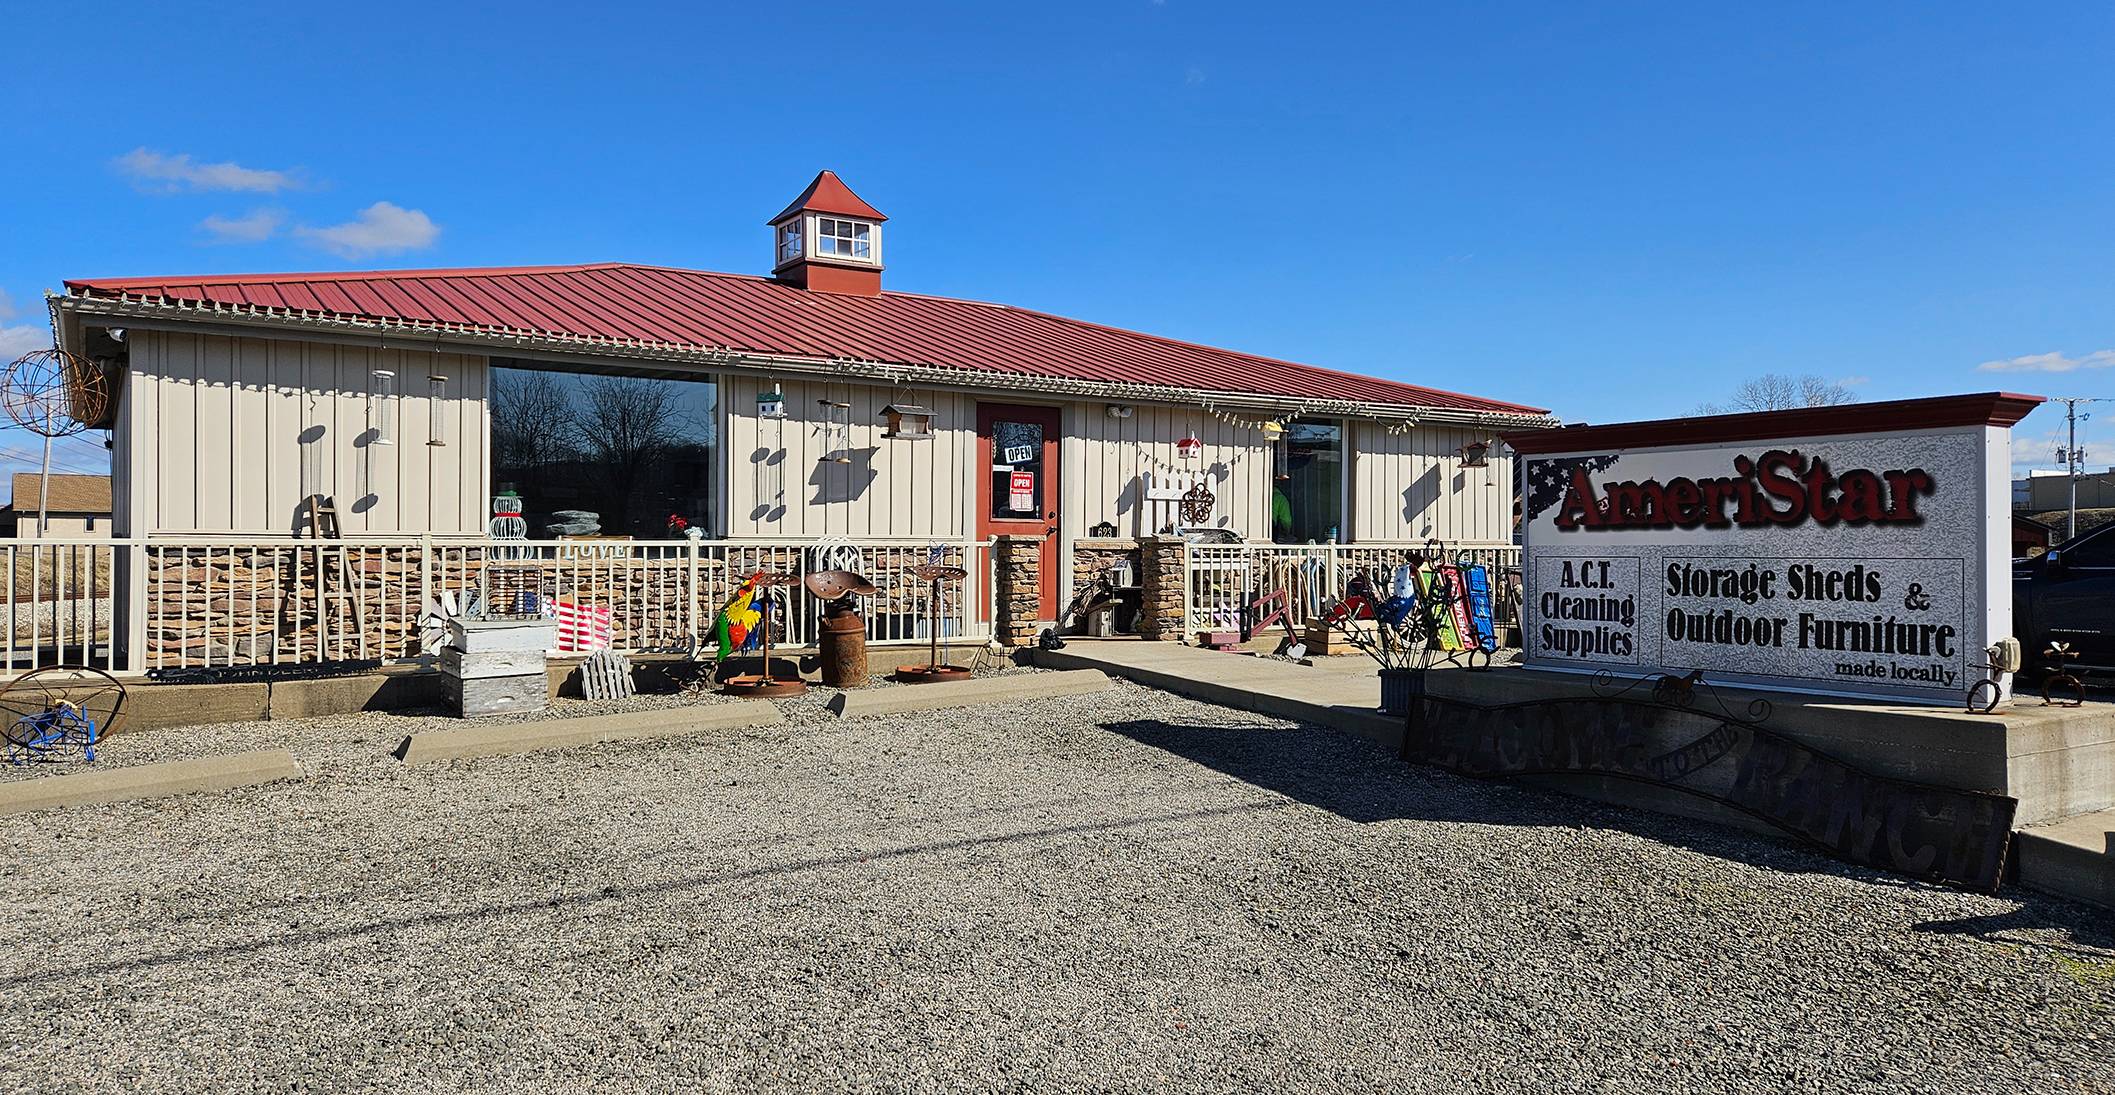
x,y
1613,211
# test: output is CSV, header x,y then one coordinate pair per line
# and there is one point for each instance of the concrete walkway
x,y
1342,693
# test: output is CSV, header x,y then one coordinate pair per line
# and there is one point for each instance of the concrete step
x,y
2072,858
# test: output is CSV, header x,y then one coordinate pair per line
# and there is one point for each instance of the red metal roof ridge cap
x,y
120,284
1929,412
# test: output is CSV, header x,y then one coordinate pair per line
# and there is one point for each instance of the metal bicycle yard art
x,y
59,713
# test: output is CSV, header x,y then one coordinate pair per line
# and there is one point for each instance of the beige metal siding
x,y
1107,459
1411,486
779,484
227,435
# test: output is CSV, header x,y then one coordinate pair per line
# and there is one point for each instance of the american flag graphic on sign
x,y
582,627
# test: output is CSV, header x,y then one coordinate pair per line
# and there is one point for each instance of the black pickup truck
x,y
2068,596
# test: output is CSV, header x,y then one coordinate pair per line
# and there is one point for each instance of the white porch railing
x,y
136,605
1226,578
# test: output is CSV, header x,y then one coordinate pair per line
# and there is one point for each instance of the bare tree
x,y
627,424
532,419
1778,392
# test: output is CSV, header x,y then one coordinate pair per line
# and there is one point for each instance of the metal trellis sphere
x,y
52,393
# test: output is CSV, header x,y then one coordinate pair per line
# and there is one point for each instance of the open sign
x,y
1020,491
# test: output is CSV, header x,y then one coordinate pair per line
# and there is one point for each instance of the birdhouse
x,y
770,404
907,422
1273,430
1473,453
1189,447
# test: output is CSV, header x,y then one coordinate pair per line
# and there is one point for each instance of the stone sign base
x,y
2056,761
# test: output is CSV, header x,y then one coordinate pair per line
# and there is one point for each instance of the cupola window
x,y
839,238
789,246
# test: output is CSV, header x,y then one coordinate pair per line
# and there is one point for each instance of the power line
x,y
2073,457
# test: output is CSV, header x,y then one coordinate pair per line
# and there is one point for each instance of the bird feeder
x,y
1189,447
908,422
1273,430
382,406
771,404
836,431
1473,454
437,410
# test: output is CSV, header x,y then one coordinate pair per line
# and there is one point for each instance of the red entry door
x,y
1017,493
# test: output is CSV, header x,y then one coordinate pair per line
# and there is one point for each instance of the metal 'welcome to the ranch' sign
x,y
1858,550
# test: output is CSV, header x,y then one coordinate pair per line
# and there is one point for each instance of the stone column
x,y
1164,565
1018,578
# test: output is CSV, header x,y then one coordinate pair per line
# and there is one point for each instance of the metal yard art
x,y
935,669
842,636
59,712
745,623
52,394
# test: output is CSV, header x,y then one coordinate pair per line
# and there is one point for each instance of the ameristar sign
x,y
1855,550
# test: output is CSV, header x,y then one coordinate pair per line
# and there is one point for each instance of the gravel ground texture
x,y
1118,892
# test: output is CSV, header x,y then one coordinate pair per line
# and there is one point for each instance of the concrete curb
x,y
473,740
174,777
932,697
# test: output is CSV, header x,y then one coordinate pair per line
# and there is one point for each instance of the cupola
x,y
828,240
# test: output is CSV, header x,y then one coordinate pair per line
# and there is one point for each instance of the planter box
x,y
1397,688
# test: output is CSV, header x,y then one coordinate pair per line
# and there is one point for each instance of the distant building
x,y
2046,489
80,506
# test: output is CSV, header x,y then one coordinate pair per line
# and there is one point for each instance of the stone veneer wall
x,y
1093,558
1163,569
247,605
257,604
1018,562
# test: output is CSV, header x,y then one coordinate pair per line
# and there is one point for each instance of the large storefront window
x,y
605,454
1307,483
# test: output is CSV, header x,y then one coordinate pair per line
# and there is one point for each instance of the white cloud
x,y
16,341
380,228
255,227
2050,363
7,305
1193,76
159,171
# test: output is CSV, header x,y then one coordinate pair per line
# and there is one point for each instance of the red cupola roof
x,y
829,194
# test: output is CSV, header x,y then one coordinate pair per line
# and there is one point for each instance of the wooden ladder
x,y
335,585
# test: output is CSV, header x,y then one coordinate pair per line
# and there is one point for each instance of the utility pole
x,y
2073,458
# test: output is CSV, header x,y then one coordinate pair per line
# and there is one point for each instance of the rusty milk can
x,y
843,633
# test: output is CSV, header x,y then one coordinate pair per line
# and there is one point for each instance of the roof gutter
x,y
448,337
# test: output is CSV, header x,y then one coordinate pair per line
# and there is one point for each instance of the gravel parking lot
x,y
1119,892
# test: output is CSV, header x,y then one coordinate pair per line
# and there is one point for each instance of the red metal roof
x,y
829,194
743,313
